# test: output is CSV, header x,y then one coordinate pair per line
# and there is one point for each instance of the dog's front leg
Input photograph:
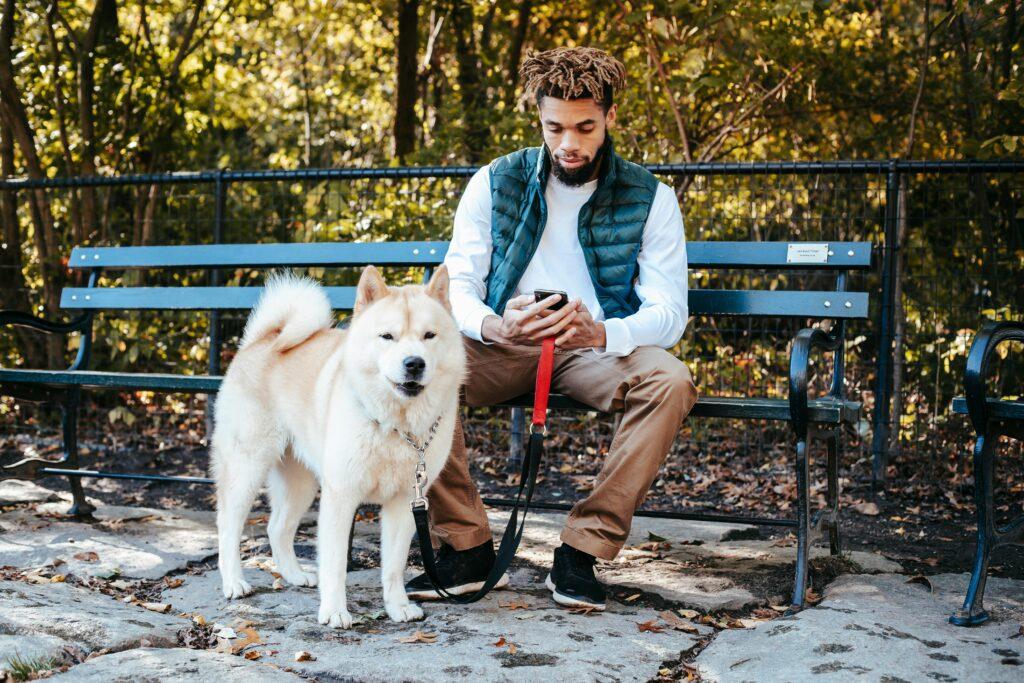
x,y
337,508
397,527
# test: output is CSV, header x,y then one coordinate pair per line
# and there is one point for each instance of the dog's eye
x,y
387,335
430,335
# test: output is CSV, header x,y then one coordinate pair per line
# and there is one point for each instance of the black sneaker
x,y
460,571
572,582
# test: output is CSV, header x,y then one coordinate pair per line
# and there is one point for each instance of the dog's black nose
x,y
414,366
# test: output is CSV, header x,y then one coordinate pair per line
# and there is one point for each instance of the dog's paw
x,y
235,588
300,578
409,611
337,618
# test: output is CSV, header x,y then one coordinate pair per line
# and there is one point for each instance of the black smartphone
x,y
541,294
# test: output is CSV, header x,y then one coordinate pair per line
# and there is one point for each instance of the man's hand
x,y
584,332
528,323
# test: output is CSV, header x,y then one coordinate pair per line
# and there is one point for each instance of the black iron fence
x,y
950,251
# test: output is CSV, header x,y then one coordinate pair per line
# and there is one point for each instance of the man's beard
x,y
581,174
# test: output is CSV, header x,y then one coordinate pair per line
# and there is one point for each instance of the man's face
x,y
574,131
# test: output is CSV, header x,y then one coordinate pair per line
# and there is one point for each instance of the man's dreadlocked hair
x,y
572,73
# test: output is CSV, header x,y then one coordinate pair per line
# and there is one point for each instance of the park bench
x,y
991,417
821,417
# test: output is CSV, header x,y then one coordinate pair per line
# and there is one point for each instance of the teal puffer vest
x,y
611,226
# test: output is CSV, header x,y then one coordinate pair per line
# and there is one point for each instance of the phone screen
x,y
541,294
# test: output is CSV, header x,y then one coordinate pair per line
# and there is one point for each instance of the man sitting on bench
x,y
570,215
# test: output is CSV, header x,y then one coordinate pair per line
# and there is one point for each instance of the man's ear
x,y
438,286
609,118
371,287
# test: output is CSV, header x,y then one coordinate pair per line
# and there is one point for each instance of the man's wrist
x,y
490,330
601,339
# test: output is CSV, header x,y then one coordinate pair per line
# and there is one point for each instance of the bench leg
x,y
803,524
832,464
69,407
973,612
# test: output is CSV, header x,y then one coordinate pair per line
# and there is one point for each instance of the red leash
x,y
542,389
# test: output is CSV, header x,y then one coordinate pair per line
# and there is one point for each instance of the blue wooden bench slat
x,y
999,408
826,410
789,304
740,255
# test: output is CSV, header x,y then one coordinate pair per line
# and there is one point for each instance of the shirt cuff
x,y
474,326
618,339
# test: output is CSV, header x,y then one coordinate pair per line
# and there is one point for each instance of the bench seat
x,y
824,410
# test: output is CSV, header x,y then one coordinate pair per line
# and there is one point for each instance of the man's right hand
x,y
523,325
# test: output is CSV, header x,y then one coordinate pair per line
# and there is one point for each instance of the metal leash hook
x,y
419,500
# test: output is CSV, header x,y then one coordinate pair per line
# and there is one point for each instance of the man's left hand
x,y
584,332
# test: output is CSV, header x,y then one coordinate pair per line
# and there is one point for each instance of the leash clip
x,y
420,500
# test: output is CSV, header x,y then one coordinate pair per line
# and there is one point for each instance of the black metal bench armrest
x,y
21,319
806,341
990,336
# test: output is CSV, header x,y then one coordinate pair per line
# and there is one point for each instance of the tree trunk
x,y
515,52
13,288
408,45
471,87
12,108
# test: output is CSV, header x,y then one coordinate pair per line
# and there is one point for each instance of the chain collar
x,y
420,501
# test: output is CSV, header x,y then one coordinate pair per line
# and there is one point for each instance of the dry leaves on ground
x,y
420,637
649,626
676,623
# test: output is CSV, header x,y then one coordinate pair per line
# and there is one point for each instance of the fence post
x,y
883,384
220,201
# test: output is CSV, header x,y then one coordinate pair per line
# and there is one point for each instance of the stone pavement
x,y
135,596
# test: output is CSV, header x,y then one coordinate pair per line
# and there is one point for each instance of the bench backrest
x,y
836,257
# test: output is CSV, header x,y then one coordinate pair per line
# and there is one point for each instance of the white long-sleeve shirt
x,y
559,264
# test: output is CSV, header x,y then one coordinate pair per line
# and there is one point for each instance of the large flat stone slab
x,y
879,628
140,543
17,492
550,643
170,666
38,621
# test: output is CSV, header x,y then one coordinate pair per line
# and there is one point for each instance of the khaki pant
x,y
652,388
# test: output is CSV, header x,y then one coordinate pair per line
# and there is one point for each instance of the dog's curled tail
x,y
292,307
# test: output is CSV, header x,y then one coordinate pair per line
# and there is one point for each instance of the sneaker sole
x,y
456,590
566,601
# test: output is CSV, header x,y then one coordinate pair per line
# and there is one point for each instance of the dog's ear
x,y
438,286
371,287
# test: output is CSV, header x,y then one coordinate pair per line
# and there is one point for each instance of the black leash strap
x,y
527,483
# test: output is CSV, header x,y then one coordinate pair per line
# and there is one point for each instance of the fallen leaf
x,y
420,637
162,607
89,556
500,643
303,656
651,536
688,613
812,598
511,648
870,509
650,626
58,578
251,637
252,655
512,604
931,561
633,597
582,609
921,579
678,624
172,583
778,608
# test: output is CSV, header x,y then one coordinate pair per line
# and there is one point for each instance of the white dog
x,y
303,403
